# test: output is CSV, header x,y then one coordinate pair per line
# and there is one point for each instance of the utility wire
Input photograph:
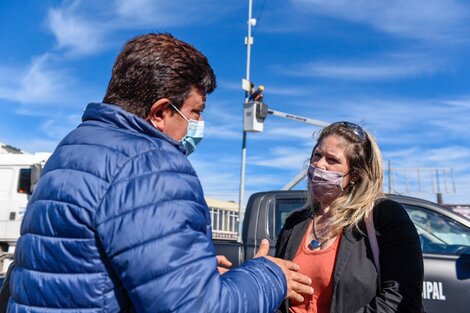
x,y
259,17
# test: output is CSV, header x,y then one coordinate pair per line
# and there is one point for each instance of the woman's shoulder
x,y
386,210
386,204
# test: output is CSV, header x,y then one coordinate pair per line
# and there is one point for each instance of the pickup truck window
x,y
24,181
439,234
284,207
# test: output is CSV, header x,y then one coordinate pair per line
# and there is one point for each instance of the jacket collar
x,y
120,118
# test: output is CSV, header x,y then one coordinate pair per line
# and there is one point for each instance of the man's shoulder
x,y
116,140
110,152
110,126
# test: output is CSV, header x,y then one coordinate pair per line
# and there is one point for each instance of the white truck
x,y
19,173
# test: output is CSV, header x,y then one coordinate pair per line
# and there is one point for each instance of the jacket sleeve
x,y
154,230
5,289
281,245
401,261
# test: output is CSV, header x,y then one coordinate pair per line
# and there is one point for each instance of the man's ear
x,y
159,113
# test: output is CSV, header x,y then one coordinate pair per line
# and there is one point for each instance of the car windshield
x,y
438,233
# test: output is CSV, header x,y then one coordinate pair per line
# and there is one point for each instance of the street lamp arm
x,y
298,118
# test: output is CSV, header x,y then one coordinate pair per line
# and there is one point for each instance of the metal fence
x,y
224,223
419,180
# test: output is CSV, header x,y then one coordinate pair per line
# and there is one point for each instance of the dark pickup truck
x,y
444,234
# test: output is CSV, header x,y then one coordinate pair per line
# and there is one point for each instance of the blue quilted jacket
x,y
118,223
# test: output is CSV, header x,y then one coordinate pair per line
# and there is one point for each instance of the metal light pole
x,y
249,42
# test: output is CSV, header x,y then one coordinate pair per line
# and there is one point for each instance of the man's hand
x,y
223,261
297,283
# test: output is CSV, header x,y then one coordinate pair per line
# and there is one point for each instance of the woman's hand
x,y
222,264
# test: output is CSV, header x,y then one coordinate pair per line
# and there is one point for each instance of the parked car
x,y
444,234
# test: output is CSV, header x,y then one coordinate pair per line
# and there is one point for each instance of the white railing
x,y
224,223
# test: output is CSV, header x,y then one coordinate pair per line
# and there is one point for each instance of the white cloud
x,y
219,174
41,82
408,128
276,132
46,136
430,20
462,102
145,13
291,158
228,112
423,181
87,27
76,34
400,154
423,171
271,89
452,155
286,91
222,132
58,127
221,120
153,13
386,67
400,121
230,85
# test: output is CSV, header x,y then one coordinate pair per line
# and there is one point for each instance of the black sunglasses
x,y
356,129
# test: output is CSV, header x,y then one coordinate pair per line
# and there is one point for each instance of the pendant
x,y
315,244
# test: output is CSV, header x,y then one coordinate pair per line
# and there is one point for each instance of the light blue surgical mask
x,y
194,134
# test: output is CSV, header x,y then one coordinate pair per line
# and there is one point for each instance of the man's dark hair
x,y
155,66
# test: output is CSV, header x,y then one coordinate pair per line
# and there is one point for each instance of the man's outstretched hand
x,y
297,283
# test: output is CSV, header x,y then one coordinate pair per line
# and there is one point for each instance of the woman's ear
x,y
159,112
353,178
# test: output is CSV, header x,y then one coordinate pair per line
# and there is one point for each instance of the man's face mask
x,y
325,186
194,133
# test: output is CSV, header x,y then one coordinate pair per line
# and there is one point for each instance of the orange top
x,y
318,265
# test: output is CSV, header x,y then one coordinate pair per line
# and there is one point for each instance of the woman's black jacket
x,y
355,284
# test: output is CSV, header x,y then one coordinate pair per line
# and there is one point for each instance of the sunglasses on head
x,y
356,129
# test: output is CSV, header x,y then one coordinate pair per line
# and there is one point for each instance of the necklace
x,y
315,243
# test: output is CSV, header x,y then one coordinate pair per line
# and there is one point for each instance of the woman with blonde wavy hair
x,y
360,249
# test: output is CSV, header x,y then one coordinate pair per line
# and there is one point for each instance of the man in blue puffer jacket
x,y
118,220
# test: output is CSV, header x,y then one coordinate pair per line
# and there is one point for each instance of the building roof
x,y
222,204
7,149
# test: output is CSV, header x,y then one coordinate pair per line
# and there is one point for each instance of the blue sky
x,y
399,68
